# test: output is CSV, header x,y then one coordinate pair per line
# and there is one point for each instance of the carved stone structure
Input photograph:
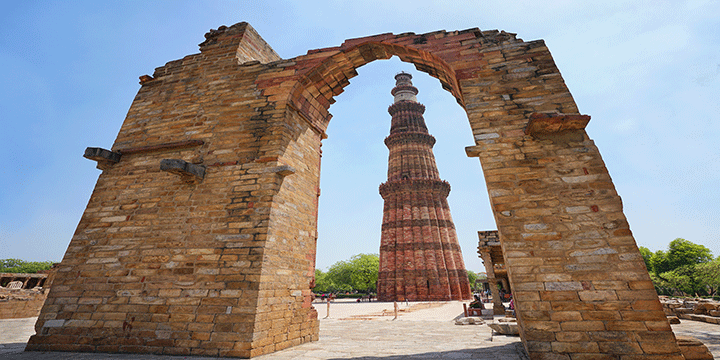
x,y
23,295
224,266
420,258
491,254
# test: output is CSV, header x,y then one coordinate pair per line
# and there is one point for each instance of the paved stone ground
x,y
708,333
361,331
421,331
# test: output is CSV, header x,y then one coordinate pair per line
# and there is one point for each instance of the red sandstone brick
x,y
575,347
547,356
583,326
567,316
601,315
554,296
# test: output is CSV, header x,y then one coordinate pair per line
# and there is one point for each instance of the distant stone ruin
x,y
22,295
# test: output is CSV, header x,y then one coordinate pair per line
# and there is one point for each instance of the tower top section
x,y
404,89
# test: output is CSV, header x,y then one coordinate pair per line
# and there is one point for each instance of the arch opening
x,y
354,163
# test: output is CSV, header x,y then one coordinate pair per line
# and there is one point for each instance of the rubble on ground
x,y
697,309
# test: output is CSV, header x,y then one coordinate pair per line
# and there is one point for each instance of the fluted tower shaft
x,y
420,258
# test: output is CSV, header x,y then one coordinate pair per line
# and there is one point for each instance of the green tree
x,y
359,273
682,269
646,254
661,286
322,282
659,263
472,278
22,266
709,276
365,272
684,280
340,276
682,252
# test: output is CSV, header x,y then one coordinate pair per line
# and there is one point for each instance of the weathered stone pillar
x,y
498,307
505,284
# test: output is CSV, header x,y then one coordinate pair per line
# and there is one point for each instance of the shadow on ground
x,y
487,353
11,348
515,350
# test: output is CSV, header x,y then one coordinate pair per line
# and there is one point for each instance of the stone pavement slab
x,y
368,339
708,333
14,334
421,331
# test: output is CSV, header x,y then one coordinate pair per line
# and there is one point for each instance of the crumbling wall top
x,y
250,45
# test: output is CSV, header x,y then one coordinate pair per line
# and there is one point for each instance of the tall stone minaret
x,y
420,257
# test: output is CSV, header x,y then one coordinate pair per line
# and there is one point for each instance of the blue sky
x,y
648,72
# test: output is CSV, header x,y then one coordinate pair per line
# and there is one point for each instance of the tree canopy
x,y
647,255
472,278
22,266
682,252
685,268
360,273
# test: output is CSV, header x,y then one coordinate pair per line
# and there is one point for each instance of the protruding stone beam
x,y
283,170
543,123
472,151
189,172
146,79
105,158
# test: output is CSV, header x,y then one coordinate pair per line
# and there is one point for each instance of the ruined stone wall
x,y
222,264
579,283
21,303
23,295
162,265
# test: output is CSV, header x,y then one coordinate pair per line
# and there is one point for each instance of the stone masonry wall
x,y
21,303
222,265
161,265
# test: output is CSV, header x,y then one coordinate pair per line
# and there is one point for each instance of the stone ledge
x,y
704,318
473,151
183,168
693,349
105,158
542,123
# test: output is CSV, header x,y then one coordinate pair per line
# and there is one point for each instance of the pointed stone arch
x,y
213,252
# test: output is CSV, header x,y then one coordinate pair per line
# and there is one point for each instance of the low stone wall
x,y
693,349
21,303
692,309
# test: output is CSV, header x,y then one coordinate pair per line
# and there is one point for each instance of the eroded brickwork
x,y
222,264
161,265
21,303
420,257
23,295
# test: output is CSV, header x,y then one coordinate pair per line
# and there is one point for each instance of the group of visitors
x,y
331,297
484,297
367,298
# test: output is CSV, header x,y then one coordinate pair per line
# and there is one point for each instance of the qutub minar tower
x,y
420,257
